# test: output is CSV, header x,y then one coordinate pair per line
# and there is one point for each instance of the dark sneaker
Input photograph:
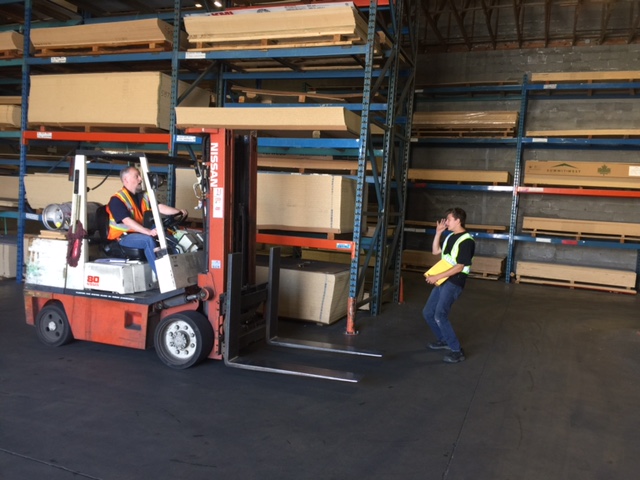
x,y
454,357
438,346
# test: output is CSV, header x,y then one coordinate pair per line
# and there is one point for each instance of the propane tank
x,y
57,216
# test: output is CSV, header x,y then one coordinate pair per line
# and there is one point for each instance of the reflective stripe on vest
x,y
116,230
452,256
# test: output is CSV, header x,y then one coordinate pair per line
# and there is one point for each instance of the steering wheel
x,y
174,220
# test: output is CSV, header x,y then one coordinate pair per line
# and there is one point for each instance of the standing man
x,y
126,215
457,250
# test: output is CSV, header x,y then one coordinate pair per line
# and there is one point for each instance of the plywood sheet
x,y
275,119
10,116
586,228
460,176
575,275
310,290
238,28
11,42
321,203
134,32
116,99
560,77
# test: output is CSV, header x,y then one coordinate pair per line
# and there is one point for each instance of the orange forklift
x,y
204,302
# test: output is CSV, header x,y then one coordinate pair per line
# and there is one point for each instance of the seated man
x,y
126,212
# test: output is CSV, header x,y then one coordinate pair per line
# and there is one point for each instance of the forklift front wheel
x,y
183,339
52,325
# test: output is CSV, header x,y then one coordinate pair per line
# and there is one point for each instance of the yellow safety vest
x,y
452,257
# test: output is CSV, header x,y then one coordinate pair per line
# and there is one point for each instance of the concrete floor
x,y
549,390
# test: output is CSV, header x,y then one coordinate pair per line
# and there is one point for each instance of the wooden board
x,y
574,77
581,228
586,133
150,34
304,164
278,27
576,276
277,119
460,176
480,123
10,100
10,116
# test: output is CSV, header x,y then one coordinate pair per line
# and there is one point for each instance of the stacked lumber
x,y
265,96
582,174
582,228
299,26
493,177
11,44
310,164
576,277
469,226
490,268
148,35
585,77
308,120
465,124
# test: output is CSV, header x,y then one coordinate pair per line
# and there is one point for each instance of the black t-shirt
x,y
466,249
118,208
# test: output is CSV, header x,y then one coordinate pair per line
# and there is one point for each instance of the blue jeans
x,y
436,313
144,242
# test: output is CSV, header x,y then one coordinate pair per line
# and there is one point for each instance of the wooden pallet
x,y
337,40
10,54
103,49
580,229
591,278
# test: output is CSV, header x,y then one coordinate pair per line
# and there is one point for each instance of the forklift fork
x,y
237,302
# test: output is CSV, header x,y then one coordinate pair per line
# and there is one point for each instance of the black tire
x,y
183,340
52,325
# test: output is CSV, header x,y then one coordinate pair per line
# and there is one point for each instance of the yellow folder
x,y
441,266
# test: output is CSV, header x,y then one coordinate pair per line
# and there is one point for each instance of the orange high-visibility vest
x,y
116,230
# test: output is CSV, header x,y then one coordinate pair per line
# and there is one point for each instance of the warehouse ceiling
x,y
443,25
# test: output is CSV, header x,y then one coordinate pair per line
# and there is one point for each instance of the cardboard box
x,y
10,116
317,203
584,174
118,99
537,272
134,32
310,290
274,119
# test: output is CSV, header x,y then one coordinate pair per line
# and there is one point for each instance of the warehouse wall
x,y
547,114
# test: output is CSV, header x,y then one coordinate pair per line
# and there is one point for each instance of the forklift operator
x,y
126,212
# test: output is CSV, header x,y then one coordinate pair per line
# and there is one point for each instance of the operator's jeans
x,y
436,313
145,242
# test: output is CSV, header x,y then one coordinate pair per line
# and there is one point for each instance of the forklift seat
x,y
112,248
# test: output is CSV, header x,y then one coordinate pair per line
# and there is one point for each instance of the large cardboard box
x,y
10,116
316,203
117,99
584,174
148,31
310,290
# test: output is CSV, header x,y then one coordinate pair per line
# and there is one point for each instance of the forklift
x,y
204,303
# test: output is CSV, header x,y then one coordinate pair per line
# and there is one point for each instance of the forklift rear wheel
x,y
183,339
52,325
